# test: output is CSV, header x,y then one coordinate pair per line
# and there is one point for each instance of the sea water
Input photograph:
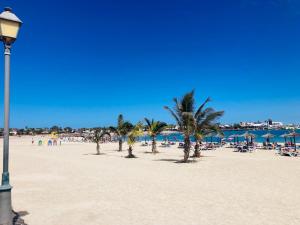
x,y
178,137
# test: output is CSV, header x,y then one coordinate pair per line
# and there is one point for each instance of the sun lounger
x,y
181,145
165,145
251,148
289,152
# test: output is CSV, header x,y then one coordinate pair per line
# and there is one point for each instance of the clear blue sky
x,y
81,63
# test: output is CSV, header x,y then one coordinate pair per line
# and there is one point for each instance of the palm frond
x,y
114,130
126,128
188,102
200,109
212,117
135,133
174,115
148,122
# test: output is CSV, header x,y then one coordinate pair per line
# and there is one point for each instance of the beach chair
x,y
243,148
278,150
289,152
181,145
145,144
251,149
209,146
165,145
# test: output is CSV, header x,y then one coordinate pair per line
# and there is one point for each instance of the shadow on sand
x,y
150,153
192,160
95,154
130,157
18,220
176,160
167,160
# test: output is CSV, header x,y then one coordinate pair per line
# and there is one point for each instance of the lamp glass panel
x,y
9,29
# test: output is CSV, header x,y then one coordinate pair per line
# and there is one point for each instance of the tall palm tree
x,y
97,136
154,128
122,129
191,121
132,138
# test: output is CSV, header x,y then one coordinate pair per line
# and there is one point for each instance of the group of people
x,y
48,142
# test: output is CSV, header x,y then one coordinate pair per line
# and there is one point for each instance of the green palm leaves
x,y
97,136
192,122
133,135
122,129
154,128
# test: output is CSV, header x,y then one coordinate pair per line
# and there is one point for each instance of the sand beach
x,y
69,184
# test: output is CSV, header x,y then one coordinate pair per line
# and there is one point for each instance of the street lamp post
x,y
9,28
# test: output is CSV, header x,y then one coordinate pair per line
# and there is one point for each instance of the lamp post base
x,y
6,216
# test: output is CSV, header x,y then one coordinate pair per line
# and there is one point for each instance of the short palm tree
x,y
201,132
133,135
97,137
123,128
191,121
206,124
154,128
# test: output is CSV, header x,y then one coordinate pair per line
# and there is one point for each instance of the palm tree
x,y
121,130
132,138
201,132
205,119
154,128
97,136
55,129
191,121
68,129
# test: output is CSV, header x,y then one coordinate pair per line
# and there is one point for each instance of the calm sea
x,y
258,133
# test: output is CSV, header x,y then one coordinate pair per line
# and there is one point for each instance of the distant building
x,y
13,132
262,125
252,124
276,125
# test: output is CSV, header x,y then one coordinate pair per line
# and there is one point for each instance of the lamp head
x,y
9,26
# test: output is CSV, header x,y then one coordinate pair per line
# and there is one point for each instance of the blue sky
x,y
81,63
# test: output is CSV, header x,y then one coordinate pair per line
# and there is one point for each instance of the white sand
x,y
67,185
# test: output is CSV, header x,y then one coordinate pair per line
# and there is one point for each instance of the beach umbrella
x,y
232,137
285,136
268,136
293,135
235,137
210,136
220,136
248,135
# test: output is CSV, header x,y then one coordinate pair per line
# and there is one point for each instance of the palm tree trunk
x,y
187,147
120,144
197,153
130,155
154,148
98,149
